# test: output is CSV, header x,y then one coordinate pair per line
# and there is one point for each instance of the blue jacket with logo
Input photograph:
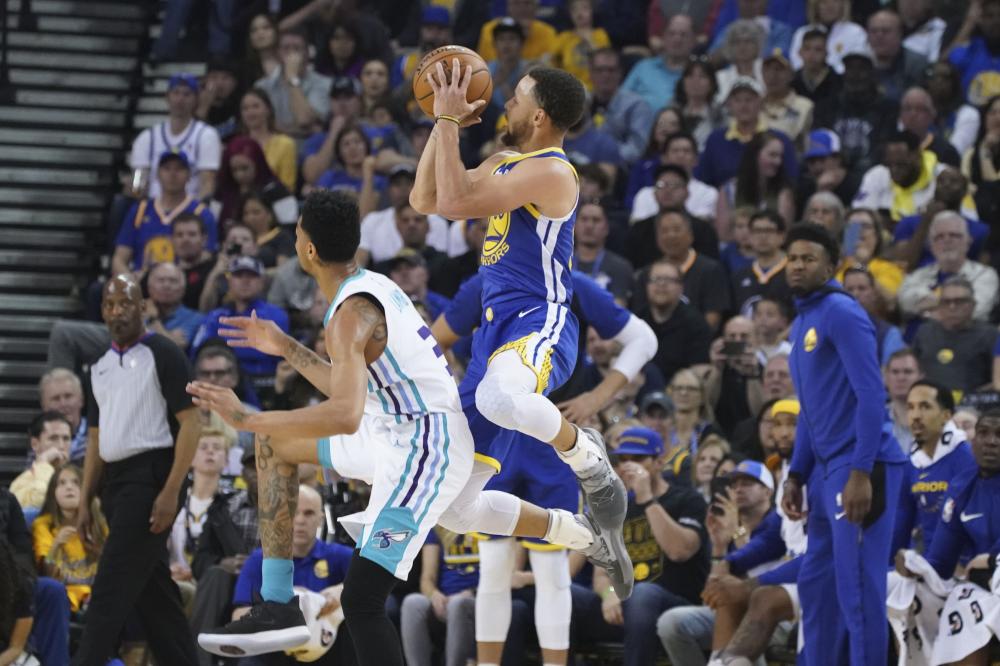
x,y
838,381
970,521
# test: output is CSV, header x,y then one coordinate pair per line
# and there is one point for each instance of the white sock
x,y
584,455
565,531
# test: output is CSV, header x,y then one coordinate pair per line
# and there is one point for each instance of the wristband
x,y
645,505
605,593
451,118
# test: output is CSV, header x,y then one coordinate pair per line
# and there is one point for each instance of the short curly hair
x,y
332,220
560,95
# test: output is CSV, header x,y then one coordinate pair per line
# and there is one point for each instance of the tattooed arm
x,y
308,363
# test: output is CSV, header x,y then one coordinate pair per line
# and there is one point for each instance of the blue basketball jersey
x,y
525,254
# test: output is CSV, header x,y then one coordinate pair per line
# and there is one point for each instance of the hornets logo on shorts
x,y
495,244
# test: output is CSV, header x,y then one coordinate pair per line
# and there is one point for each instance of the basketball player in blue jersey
x,y
526,345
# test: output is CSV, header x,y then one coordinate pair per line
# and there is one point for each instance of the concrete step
x,y
17,303
58,177
165,70
23,347
22,370
93,61
18,393
70,80
78,25
23,217
47,239
54,41
47,260
51,197
73,100
152,104
61,156
61,117
17,417
27,326
14,443
111,10
95,139
33,282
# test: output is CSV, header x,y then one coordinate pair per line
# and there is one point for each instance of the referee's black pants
x,y
133,575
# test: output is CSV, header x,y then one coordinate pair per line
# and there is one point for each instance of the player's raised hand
x,y
261,334
450,93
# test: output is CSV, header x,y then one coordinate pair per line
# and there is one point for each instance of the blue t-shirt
x,y
592,146
335,179
733,260
907,226
651,79
458,567
980,70
325,565
187,320
252,362
149,235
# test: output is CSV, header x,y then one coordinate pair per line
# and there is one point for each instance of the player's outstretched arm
x,y
356,323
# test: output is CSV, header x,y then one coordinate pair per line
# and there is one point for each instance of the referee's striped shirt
x,y
136,393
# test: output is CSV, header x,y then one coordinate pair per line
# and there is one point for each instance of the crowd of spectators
x,y
706,136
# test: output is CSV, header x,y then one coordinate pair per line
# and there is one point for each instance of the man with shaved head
x,y
142,436
918,114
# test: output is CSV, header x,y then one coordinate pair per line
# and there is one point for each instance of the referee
x,y
138,409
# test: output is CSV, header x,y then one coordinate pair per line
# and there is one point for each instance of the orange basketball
x,y
480,87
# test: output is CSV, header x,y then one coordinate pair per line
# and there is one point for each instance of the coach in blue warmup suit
x,y
845,436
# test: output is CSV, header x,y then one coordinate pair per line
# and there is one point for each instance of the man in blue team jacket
x,y
844,434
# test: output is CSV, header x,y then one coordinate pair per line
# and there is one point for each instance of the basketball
x,y
480,87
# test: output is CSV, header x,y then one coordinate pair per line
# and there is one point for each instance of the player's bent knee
x,y
494,402
771,603
457,521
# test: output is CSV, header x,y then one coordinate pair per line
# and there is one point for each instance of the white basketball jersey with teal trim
x,y
411,378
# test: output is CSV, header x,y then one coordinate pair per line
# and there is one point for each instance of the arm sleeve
x,y
856,346
639,346
764,546
173,371
466,309
905,514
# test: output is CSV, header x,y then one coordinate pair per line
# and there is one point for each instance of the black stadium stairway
x,y
75,69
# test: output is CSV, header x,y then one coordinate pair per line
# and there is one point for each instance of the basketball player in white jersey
x,y
385,367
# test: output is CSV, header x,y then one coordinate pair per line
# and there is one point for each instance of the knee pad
x,y
553,601
494,401
493,604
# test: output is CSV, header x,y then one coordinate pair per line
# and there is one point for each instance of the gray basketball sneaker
x,y
608,552
604,491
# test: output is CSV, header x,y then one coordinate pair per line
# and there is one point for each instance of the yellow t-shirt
x,y
572,52
887,274
281,156
76,570
539,41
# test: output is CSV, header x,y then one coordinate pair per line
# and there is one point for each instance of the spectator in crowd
x,y
939,454
181,132
374,89
164,311
696,97
778,34
826,210
978,47
924,31
191,253
137,461
904,182
680,150
318,567
952,348
899,373
655,411
573,47
261,53
965,419
257,122
710,453
244,170
219,96
446,600
742,48
765,276
60,390
668,546
294,290
784,109
745,533
792,13
539,36
356,170
681,330
692,421
918,115
825,170
704,278
832,19
981,164
655,78
860,114
318,152
206,472
733,360
49,437
509,65
340,54
413,229
815,79
862,248
897,67
218,365
60,552
275,243
37,610
861,284
609,269
621,114
410,271
240,241
910,234
584,144
950,240
299,94
245,287
317,17
957,121
771,317
435,32
144,238
724,148
461,267
738,252
228,537
667,122
761,181
775,382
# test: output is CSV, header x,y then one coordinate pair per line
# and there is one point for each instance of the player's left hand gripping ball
x,y
450,93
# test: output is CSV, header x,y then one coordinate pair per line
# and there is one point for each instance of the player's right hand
x,y
791,501
260,334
